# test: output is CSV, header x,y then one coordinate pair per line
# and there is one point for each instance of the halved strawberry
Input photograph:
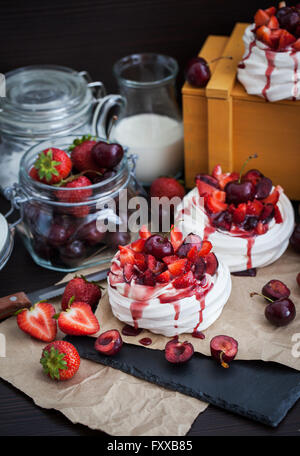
x,y
144,232
214,205
126,255
273,197
254,207
205,248
78,320
277,214
140,261
164,277
271,11
239,213
217,172
38,321
211,263
261,18
225,178
296,45
204,188
263,33
138,245
273,23
218,195
178,268
154,265
176,237
261,228
285,40
170,259
128,272
192,254
275,36
184,281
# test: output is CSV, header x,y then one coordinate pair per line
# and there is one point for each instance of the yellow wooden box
x,y
224,125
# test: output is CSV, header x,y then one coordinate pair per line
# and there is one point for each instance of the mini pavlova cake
x,y
168,286
270,66
247,219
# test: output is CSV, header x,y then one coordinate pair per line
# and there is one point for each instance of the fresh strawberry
x,y
271,11
273,197
239,213
166,186
261,228
204,188
38,321
53,165
254,207
184,281
211,263
126,255
285,40
296,45
273,23
192,254
138,245
223,181
78,195
82,290
264,34
81,154
144,232
148,279
178,267
176,238
128,272
154,265
78,320
170,259
214,205
60,360
277,214
164,277
34,174
140,261
261,18
217,172
205,248
219,195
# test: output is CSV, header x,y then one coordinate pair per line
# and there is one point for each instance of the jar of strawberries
x,y
68,195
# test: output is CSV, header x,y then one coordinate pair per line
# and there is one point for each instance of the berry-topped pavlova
x,y
247,219
271,63
168,286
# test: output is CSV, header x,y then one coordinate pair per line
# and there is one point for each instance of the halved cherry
x,y
199,268
109,343
223,349
178,352
211,263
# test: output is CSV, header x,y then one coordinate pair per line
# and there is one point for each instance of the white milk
x,y
158,142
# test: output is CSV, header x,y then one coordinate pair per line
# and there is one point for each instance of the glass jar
x,y
42,101
149,121
67,236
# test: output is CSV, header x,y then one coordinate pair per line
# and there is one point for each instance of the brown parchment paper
x,y
242,318
97,396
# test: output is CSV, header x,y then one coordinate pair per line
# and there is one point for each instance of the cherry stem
x,y
75,176
259,294
223,364
245,164
114,119
219,58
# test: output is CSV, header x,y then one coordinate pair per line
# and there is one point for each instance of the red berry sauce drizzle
x,y
251,46
295,90
145,341
270,55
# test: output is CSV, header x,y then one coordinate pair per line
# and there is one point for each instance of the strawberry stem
x,y
46,166
245,164
53,362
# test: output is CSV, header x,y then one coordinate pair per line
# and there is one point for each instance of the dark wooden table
x,y
20,416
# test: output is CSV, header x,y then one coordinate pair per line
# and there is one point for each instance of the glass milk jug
x,y
149,121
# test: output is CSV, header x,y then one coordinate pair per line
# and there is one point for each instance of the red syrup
x,y
130,331
137,309
250,244
208,230
198,335
251,46
145,341
295,89
177,311
270,56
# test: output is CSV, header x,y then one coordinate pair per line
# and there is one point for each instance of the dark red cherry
x,y
73,252
90,233
199,268
190,241
223,349
275,289
252,175
239,192
158,246
109,343
295,238
280,312
223,221
263,188
58,235
107,155
197,72
113,240
178,352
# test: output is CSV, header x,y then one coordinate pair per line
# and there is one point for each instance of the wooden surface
x,y
20,416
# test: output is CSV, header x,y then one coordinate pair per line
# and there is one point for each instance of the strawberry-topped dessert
x,y
270,66
169,286
247,219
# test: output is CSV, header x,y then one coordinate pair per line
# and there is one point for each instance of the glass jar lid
x,y
44,100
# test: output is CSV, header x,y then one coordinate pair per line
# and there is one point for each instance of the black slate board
x,y
258,390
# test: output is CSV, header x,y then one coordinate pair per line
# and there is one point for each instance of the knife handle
x,y
11,303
